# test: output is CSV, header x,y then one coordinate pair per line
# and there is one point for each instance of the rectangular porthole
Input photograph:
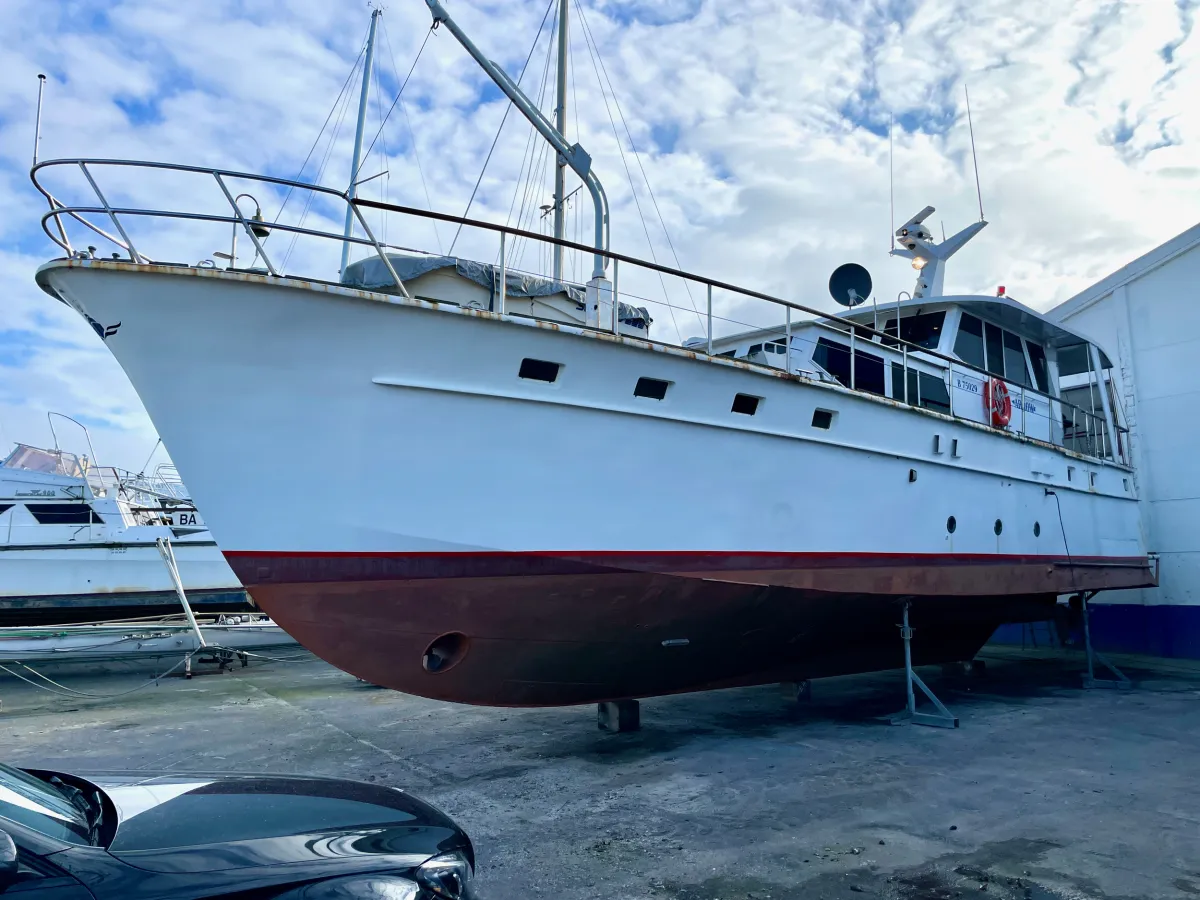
x,y
746,404
822,418
937,443
539,370
653,388
1070,473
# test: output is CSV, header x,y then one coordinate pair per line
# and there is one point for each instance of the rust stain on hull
x,y
581,633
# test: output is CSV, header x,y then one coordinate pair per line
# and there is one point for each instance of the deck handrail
x,y
855,329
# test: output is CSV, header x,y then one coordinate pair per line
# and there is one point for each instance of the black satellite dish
x,y
850,284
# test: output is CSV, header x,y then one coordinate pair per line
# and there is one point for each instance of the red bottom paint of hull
x,y
522,631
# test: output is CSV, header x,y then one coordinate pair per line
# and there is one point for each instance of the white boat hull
x,y
567,525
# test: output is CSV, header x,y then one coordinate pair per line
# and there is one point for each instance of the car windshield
x,y
36,804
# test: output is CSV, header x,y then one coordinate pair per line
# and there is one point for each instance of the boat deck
x,y
1047,791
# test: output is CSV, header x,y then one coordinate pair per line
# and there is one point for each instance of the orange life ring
x,y
997,402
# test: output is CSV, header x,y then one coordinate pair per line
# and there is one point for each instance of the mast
x,y
560,122
358,136
576,157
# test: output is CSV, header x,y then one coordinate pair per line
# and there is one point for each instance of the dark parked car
x,y
131,836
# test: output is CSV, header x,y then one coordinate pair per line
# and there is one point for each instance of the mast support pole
x,y
560,123
574,155
358,139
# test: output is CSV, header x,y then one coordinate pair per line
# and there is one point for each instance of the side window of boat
x,y
64,514
924,390
1014,360
993,342
834,358
968,346
1037,356
923,329
5,507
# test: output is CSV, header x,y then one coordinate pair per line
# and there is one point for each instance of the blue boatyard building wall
x,y
1155,630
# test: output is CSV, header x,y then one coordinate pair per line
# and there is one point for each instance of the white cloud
x,y
760,124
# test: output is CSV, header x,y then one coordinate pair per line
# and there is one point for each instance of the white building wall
x,y
1147,318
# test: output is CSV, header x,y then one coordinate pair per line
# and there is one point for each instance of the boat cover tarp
x,y
370,274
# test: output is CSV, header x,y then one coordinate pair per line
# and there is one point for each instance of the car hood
x,y
193,823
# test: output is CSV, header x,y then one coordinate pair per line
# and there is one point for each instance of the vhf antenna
x,y
974,158
891,183
37,128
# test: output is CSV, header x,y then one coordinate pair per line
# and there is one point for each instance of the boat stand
x,y
1119,681
797,693
943,718
168,556
617,716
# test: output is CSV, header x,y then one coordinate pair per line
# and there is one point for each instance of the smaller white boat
x,y
78,543
227,635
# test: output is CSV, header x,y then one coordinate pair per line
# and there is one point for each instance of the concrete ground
x,y
1046,791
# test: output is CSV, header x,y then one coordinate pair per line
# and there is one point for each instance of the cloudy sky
x,y
761,126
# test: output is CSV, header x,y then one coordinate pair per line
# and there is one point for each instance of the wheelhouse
x,y
989,360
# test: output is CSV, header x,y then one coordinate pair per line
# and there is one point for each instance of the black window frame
x,y
64,513
920,336
1041,367
994,357
966,327
745,404
834,358
539,370
651,388
1017,353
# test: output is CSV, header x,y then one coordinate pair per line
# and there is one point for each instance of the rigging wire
x,y
412,135
633,149
576,259
337,130
317,140
383,121
629,175
507,109
528,157
399,94
384,177
527,208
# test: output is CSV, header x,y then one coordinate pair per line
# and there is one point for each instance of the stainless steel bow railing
x,y
1071,427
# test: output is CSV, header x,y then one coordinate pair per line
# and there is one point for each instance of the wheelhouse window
x,y
64,514
968,346
923,329
1014,360
834,358
1073,360
1041,371
1002,353
924,390
993,343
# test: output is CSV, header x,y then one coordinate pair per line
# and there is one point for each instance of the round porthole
x,y
1037,529
951,524
999,527
445,653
